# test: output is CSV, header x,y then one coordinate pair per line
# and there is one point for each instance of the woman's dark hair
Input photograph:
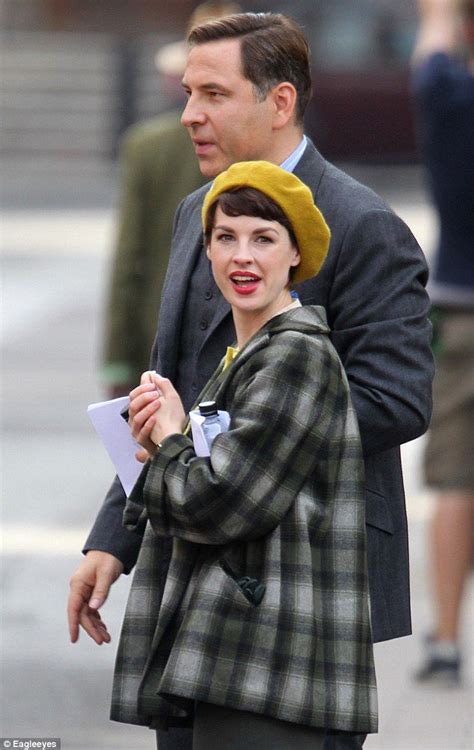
x,y
247,201
273,50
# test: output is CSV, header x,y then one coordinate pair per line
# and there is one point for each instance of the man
x,y
248,82
159,168
443,82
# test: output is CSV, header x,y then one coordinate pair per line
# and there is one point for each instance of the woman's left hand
x,y
170,417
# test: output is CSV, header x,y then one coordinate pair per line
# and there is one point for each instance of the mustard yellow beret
x,y
295,200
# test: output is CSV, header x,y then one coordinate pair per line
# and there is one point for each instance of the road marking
x,y
19,539
55,232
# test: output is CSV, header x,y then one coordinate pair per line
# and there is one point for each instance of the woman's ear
x,y
296,259
208,251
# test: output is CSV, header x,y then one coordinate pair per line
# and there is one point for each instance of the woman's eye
x,y
225,237
263,239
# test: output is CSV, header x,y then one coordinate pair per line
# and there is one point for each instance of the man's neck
x,y
284,146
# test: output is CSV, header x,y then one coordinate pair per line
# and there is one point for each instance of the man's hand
x,y
89,588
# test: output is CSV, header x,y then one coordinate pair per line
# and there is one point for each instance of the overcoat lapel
x,y
173,300
310,168
222,309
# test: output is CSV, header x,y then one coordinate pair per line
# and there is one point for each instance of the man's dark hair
x,y
273,50
247,201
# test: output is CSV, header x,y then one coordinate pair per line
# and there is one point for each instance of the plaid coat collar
x,y
278,509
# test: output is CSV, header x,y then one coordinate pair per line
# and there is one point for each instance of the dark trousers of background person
x,y
220,728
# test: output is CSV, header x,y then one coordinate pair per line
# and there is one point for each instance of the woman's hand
x,y
155,412
171,417
144,403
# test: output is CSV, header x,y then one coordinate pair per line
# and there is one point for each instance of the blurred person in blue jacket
x,y
443,84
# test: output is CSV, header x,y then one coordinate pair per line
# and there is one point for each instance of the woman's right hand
x,y
144,403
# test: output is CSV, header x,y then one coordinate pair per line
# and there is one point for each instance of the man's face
x,y
224,118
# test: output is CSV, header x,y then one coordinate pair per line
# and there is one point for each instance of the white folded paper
x,y
119,443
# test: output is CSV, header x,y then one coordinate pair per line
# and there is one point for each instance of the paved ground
x,y
55,236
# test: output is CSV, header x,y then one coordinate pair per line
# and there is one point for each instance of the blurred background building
x,y
75,73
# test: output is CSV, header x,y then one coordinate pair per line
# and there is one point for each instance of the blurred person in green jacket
x,y
158,169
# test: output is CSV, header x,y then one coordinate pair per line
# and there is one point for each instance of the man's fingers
x,y
79,594
91,621
73,628
101,589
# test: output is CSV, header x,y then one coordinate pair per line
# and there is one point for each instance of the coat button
x,y
203,325
208,295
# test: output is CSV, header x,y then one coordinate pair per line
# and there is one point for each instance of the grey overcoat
x,y
264,606
372,287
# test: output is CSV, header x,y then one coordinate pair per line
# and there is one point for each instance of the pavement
x,y
56,235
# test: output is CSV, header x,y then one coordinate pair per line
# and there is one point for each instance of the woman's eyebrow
x,y
221,226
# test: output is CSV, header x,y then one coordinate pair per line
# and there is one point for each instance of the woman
x,y
259,628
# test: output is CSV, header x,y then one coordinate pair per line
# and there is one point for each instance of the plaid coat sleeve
x,y
288,403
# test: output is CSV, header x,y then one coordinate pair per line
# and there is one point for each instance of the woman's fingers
x,y
140,402
143,388
142,455
143,437
142,423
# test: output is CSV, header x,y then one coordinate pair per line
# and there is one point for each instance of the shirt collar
x,y
292,160
232,351
289,164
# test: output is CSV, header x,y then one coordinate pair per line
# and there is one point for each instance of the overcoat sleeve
x,y
289,406
378,318
108,533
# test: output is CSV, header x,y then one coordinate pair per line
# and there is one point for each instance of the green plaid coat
x,y
264,606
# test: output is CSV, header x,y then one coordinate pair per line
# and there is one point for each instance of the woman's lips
x,y
244,283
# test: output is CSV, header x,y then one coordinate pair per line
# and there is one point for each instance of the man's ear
x,y
284,98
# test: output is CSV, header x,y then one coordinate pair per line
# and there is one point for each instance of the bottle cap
x,y
208,408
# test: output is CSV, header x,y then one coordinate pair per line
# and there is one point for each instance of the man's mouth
x,y
202,147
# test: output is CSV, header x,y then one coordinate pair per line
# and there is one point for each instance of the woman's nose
x,y
243,253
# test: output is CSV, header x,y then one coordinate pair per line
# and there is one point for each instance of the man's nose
x,y
192,114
